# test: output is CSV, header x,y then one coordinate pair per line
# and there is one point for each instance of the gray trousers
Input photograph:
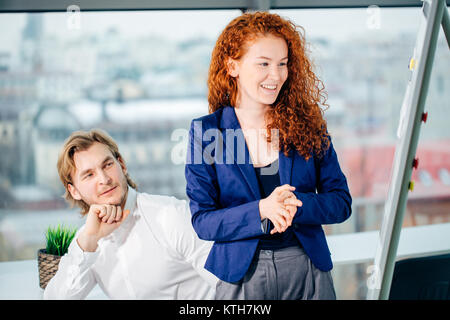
x,y
283,274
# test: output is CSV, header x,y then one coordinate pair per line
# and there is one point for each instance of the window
x,y
362,56
141,75
137,75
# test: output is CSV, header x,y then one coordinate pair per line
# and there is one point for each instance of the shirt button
x,y
296,226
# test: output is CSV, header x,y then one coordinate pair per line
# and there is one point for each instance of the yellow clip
x,y
412,64
411,185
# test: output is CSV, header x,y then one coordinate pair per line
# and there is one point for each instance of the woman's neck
x,y
251,116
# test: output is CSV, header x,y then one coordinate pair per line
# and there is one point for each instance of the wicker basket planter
x,y
48,265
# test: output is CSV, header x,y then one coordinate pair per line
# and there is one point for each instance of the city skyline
x,y
336,24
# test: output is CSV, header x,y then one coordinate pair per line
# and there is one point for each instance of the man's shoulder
x,y
167,216
158,199
161,206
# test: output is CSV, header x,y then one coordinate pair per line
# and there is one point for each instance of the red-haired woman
x,y
263,154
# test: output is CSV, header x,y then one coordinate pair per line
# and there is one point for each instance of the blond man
x,y
133,245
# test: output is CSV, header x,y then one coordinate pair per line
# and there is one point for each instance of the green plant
x,y
59,239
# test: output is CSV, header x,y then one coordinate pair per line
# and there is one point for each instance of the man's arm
x,y
74,278
187,244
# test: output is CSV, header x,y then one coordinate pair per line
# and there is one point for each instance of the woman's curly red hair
x,y
296,113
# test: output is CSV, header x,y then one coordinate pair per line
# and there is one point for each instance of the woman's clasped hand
x,y
280,207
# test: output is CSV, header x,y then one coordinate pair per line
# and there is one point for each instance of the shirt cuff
x,y
83,258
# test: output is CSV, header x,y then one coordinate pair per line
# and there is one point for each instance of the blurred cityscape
x,y
141,90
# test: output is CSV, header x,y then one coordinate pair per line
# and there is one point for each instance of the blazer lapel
x,y
230,121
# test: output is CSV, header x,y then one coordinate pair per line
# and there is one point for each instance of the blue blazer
x,y
224,195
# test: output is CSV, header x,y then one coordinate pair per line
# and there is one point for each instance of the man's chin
x,y
114,201
118,201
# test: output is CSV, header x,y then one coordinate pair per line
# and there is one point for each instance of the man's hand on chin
x,y
102,219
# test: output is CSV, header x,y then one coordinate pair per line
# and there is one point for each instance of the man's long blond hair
x,y
81,141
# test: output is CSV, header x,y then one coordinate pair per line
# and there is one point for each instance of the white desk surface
x,y
20,280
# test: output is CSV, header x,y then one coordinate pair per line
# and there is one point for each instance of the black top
x,y
267,183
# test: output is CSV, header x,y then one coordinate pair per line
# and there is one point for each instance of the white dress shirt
x,y
154,254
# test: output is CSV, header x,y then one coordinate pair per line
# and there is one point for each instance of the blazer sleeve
x,y
332,202
211,221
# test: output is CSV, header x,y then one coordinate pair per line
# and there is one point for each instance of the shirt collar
x,y
130,203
